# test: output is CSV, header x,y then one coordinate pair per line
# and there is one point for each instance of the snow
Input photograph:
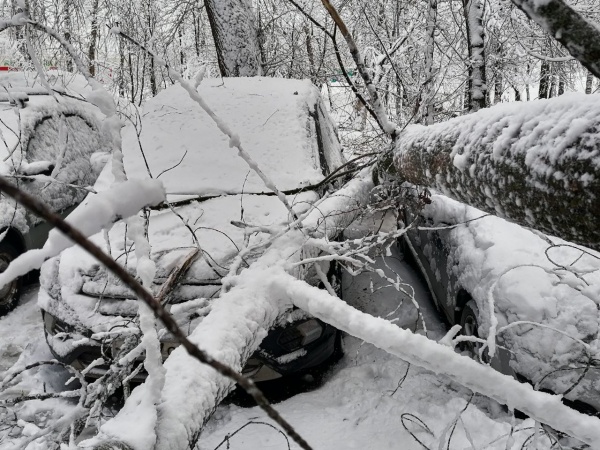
x,y
272,124
29,129
14,339
360,403
506,270
542,129
123,200
428,354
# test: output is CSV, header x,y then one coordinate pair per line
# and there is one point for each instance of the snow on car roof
x,y
270,115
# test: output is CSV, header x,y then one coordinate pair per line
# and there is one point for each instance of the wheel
x,y
470,325
9,293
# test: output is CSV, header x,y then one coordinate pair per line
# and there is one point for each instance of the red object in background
x,y
8,69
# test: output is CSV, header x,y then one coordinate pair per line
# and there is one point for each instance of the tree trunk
x,y
531,164
427,88
589,82
477,89
498,88
235,36
93,38
545,80
517,94
561,86
68,28
311,55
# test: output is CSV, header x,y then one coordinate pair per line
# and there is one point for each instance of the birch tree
x,y
476,84
235,36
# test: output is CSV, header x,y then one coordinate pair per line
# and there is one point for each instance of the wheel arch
x,y
14,238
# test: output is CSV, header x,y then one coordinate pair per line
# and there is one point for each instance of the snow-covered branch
x,y
235,327
579,36
441,359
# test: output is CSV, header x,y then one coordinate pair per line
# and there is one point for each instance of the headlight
x,y
294,337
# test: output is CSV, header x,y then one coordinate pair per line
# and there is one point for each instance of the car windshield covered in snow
x,y
215,198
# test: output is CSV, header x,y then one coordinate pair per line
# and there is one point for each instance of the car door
x,y
428,243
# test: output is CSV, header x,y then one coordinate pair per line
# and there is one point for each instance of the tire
x,y
469,321
9,294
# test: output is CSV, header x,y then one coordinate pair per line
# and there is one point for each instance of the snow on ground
x,y
21,329
364,403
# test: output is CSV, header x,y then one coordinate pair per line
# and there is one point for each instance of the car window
x,y
69,159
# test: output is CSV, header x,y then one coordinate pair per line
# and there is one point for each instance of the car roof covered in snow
x,y
271,116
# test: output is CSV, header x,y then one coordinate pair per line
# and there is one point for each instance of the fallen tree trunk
x,y
536,164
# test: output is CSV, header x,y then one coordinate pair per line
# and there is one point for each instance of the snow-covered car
x,y
216,203
545,294
49,143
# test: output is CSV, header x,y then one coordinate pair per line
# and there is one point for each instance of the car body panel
x,y
551,317
215,195
47,134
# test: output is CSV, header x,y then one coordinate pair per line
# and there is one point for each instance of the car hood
x,y
77,290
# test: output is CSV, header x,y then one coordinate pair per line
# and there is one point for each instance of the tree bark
x,y
427,87
235,36
93,38
535,164
544,89
589,83
579,36
477,89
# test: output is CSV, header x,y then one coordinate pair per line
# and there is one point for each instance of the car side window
x,y
64,143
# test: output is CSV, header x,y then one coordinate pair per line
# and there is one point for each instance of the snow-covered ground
x,y
372,400
21,329
368,400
